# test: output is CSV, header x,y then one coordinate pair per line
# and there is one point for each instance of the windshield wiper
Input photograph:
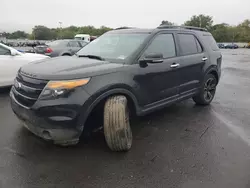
x,y
92,57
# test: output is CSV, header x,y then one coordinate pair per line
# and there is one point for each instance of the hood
x,y
62,68
36,56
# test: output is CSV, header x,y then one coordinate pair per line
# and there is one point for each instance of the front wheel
x,y
207,91
117,129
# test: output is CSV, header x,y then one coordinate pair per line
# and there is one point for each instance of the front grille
x,y
26,90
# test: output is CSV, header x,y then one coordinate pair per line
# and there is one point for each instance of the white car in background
x,y
10,62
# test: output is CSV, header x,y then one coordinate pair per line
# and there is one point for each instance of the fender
x,y
213,68
108,93
65,53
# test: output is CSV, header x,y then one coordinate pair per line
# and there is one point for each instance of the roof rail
x,y
124,28
181,27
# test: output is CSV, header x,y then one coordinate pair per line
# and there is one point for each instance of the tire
x,y
117,129
207,92
66,55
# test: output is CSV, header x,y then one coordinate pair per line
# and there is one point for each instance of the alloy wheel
x,y
209,89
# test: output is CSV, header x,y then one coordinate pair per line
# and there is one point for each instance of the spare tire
x,y
117,128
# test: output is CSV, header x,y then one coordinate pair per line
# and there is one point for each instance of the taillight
x,y
48,50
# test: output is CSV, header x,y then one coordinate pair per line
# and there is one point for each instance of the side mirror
x,y
152,58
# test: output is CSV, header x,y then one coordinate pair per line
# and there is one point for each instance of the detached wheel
x,y
117,129
207,92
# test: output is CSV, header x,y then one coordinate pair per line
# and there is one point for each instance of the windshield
x,y
114,46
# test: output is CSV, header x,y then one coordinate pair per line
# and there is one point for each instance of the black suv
x,y
121,72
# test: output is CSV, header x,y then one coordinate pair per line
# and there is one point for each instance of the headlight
x,y
58,88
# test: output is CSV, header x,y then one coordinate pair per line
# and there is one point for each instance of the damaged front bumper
x,y
59,129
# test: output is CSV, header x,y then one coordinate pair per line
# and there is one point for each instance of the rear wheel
x,y
207,92
117,129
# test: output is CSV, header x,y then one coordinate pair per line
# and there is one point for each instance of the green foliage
x,y
165,22
41,32
243,31
44,33
200,21
226,33
221,32
91,30
16,35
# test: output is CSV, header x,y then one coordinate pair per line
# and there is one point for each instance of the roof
x,y
82,35
181,27
136,30
66,40
162,27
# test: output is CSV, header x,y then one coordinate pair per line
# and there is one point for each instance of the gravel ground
x,y
182,146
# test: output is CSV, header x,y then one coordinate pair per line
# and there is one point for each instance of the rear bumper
x,y
53,121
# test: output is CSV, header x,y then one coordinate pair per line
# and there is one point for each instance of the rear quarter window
x,y
209,40
189,44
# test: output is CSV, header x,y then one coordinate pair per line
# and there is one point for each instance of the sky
x,y
24,14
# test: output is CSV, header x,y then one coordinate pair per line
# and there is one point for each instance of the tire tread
x,y
117,129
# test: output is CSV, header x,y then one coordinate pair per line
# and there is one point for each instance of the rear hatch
x,y
41,49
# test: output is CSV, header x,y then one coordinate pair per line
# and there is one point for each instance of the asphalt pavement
x,y
182,146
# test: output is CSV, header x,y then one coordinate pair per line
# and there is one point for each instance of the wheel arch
x,y
65,53
100,100
213,70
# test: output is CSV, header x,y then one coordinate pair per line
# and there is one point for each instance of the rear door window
x,y
74,44
209,39
188,44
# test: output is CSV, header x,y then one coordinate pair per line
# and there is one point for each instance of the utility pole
x,y
60,25
200,21
233,37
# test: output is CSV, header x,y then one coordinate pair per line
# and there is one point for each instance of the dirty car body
x,y
65,47
54,98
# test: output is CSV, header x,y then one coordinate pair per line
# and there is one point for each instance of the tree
x,y
102,30
200,21
245,24
243,31
123,27
91,30
221,32
41,32
67,34
18,35
165,22
5,34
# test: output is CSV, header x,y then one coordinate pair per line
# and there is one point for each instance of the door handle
x,y
204,59
174,65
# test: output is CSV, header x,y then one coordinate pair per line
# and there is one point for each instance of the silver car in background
x,y
66,47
